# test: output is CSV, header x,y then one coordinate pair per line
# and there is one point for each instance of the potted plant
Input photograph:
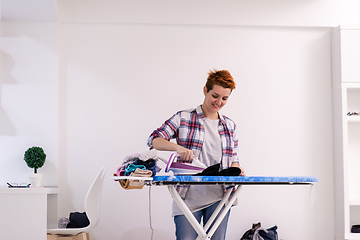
x,y
35,158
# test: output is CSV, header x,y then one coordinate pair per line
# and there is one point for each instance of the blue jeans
x,y
184,230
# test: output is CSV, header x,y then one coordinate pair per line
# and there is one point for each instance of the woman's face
x,y
214,100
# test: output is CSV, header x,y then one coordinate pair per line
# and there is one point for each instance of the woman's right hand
x,y
164,145
185,154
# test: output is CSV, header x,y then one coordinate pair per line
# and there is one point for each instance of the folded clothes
x,y
78,220
142,156
149,164
137,165
63,222
355,228
125,184
135,183
141,173
132,167
121,171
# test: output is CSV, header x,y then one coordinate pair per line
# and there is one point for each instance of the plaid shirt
x,y
188,130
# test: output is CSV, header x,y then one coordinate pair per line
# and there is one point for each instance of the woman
x,y
207,135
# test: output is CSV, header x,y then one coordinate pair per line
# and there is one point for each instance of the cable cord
x,y
152,230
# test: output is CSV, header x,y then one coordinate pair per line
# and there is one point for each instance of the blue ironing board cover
x,y
237,180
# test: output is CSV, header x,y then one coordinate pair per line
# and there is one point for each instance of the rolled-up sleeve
x,y
168,130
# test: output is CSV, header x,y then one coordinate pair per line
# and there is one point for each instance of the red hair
x,y
220,77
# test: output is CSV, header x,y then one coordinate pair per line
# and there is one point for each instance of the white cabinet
x,y
346,101
26,212
346,54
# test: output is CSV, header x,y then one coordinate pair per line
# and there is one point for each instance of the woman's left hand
x,y
242,173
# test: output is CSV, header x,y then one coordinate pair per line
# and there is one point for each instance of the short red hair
x,y
220,77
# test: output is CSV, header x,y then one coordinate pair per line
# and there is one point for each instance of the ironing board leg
x,y
225,210
217,210
188,214
195,224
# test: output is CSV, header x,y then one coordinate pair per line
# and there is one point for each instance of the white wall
x,y
118,72
28,99
228,12
125,80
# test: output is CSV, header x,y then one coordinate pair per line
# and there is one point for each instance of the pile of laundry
x,y
259,233
75,220
137,166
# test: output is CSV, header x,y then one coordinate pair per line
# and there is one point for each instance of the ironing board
x,y
229,181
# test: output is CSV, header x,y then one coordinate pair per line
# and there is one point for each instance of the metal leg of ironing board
x,y
217,210
223,212
188,214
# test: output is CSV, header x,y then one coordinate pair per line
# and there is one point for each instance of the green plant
x,y
35,158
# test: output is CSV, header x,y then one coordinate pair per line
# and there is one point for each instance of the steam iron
x,y
179,168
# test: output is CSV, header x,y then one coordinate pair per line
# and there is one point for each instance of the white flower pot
x,y
35,179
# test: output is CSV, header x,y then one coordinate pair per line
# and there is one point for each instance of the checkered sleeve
x,y
235,158
168,130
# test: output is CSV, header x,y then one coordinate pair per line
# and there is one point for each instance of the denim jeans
x,y
184,230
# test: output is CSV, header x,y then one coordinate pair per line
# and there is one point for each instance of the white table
x,y
25,212
205,232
